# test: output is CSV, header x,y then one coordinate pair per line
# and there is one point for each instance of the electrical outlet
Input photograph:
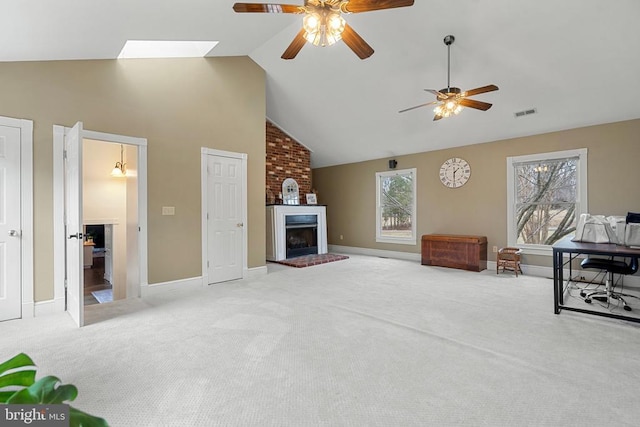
x,y
341,237
495,249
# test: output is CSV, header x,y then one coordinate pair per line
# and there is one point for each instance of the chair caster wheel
x,y
587,300
627,308
583,294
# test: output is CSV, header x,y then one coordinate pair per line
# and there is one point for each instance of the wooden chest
x,y
454,251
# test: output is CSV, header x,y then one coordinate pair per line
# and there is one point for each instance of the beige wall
x,y
479,207
179,105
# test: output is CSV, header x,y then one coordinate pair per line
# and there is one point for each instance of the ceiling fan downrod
x,y
448,40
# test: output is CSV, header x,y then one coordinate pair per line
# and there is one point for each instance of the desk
x,y
573,249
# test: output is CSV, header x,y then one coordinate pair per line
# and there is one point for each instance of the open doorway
x,y
127,226
110,221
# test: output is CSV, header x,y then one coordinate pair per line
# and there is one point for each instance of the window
x,y
545,194
395,207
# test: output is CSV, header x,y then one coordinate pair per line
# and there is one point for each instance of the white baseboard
x,y
28,310
255,272
192,283
182,284
44,308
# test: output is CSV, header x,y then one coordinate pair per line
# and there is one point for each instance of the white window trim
x,y
397,240
581,202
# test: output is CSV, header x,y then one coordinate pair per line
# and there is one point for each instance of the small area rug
x,y
309,260
105,295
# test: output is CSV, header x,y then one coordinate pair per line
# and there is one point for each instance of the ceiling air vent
x,y
525,112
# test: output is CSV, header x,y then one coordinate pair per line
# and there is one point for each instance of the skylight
x,y
165,49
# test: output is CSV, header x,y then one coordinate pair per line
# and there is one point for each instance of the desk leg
x,y
557,280
561,276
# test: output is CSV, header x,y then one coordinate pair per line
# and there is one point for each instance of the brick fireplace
x,y
292,230
285,158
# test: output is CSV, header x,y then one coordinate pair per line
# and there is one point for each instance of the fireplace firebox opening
x,y
301,235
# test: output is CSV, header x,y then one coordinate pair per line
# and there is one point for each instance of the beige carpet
x,y
362,342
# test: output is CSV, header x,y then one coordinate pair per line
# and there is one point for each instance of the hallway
x,y
94,281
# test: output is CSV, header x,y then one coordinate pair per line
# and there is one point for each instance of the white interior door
x,y
74,224
10,230
224,218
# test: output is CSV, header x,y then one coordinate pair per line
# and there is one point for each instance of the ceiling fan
x,y
323,24
451,100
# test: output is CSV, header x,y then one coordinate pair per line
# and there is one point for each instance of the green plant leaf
x,y
5,395
19,361
11,374
19,378
63,393
44,391
47,391
77,418
23,397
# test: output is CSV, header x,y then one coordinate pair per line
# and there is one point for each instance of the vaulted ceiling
x,y
576,62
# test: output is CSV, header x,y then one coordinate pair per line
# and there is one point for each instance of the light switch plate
x,y
168,210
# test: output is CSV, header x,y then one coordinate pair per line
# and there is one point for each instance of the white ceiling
x,y
576,61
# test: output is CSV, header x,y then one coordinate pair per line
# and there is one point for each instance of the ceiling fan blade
x,y
440,95
295,46
356,43
472,103
357,6
483,89
418,106
267,8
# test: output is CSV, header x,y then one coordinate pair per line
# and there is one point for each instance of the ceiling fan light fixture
x,y
335,23
447,108
311,23
323,28
323,24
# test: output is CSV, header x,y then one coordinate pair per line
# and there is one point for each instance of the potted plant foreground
x,y
18,386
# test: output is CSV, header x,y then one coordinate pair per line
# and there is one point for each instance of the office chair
x,y
610,267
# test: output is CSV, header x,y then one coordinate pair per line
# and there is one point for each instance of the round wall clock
x,y
455,172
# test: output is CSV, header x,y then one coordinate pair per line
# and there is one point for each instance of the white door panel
x,y
224,225
10,230
108,250
74,224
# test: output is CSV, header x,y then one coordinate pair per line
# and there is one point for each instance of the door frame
x,y
26,212
204,185
58,206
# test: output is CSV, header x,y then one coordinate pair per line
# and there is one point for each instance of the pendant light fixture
x,y
120,169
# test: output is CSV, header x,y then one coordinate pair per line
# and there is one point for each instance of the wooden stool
x,y
509,259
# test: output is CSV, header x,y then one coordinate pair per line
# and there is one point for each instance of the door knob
x,y
75,236
239,224
14,233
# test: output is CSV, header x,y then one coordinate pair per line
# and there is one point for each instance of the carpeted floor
x,y
310,260
363,342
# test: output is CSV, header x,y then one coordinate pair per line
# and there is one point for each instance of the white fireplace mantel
x,y
276,230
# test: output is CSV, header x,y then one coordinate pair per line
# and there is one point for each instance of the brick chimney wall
x,y
286,158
